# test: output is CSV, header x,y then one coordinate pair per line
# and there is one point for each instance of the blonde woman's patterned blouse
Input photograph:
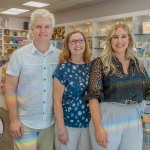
x,y
118,86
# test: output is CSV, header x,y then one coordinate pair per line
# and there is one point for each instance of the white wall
x,y
13,22
109,8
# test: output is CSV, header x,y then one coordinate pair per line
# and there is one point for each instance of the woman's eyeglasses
x,y
73,42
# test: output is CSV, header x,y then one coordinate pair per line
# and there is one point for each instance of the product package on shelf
x,y
146,62
59,33
3,60
2,79
57,43
146,52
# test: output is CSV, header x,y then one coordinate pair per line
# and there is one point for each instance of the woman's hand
x,y
63,137
101,137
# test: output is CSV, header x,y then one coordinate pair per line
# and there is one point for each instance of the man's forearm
x,y
11,83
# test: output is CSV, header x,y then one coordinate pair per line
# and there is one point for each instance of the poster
x,y
146,27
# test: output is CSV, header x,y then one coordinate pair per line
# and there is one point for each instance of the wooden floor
x,y
6,142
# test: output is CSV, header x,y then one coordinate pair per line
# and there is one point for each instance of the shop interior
x,y
93,17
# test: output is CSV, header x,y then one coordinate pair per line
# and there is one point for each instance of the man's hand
x,y
16,129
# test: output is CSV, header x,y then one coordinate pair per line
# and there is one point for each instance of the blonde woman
x,y
70,84
118,86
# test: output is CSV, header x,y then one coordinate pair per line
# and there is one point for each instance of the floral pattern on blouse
x,y
75,79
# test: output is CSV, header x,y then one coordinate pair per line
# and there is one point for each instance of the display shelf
x,y
13,39
141,34
99,42
102,36
13,44
98,48
15,32
1,42
96,30
11,36
89,37
141,39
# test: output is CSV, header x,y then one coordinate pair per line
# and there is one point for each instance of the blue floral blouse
x,y
75,79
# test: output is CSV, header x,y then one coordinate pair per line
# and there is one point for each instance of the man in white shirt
x,y
29,87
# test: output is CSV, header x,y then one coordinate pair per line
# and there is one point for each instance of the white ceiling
x,y
56,6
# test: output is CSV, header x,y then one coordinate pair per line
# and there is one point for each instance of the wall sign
x,y
146,27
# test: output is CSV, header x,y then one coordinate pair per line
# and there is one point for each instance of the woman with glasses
x,y
118,86
70,84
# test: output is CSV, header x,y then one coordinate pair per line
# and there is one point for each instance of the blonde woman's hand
x,y
101,137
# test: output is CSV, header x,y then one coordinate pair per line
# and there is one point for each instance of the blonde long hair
x,y
65,55
108,53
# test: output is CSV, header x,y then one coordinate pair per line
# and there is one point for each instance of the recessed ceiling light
x,y
14,11
35,4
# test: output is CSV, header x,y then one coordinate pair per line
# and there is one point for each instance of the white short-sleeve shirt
x,y
34,91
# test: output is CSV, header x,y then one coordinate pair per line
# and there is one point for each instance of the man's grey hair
x,y
42,13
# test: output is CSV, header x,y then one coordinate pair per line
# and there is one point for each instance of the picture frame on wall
x,y
146,27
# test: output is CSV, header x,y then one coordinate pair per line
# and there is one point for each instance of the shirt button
x,y
44,90
44,79
44,67
44,102
43,113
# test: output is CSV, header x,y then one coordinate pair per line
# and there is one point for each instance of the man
x,y
29,87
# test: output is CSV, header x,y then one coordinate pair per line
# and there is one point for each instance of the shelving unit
x,y
13,39
96,32
146,131
1,41
96,29
99,43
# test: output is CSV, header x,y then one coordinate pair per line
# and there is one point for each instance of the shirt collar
x,y
50,50
116,61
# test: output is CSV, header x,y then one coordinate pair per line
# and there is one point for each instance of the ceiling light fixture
x,y
14,11
35,4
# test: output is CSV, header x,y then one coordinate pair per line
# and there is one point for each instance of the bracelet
x,y
62,133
